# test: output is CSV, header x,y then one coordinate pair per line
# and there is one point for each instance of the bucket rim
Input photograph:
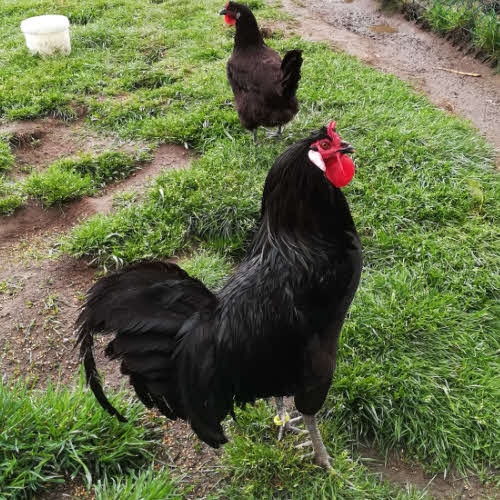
x,y
46,24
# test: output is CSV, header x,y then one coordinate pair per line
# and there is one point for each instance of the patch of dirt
x,y
408,52
34,219
38,308
449,488
39,143
70,490
194,461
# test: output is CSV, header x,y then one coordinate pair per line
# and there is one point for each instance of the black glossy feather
x,y
272,330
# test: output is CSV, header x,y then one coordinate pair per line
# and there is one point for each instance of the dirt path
x,y
410,53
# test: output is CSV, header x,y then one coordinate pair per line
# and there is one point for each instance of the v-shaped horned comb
x,y
331,129
333,135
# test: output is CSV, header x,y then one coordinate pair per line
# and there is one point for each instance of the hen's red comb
x,y
331,129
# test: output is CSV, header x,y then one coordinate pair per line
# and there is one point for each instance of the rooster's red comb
x,y
331,129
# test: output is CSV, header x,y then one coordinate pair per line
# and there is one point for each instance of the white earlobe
x,y
315,157
238,14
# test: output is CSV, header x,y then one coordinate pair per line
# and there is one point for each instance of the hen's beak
x,y
346,148
223,12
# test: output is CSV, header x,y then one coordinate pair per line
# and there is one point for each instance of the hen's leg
x,y
321,456
280,130
284,421
254,131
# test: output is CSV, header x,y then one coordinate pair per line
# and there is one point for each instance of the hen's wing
x,y
258,73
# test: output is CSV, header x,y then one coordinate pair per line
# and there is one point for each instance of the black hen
x,y
273,328
263,85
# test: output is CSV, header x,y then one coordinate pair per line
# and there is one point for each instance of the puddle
x,y
380,28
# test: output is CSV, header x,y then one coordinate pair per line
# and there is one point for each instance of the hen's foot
x,y
278,134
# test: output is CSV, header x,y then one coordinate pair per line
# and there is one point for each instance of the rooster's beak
x,y
223,12
346,148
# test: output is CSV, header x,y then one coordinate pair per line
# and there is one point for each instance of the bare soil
x,y
39,143
390,43
400,471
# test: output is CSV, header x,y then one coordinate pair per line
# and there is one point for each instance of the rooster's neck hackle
x,y
304,217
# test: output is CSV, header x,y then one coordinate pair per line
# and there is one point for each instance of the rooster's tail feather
x,y
149,306
92,375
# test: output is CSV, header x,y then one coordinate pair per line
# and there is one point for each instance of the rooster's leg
x,y
280,130
254,135
321,456
286,425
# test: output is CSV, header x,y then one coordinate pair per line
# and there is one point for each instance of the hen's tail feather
x,y
290,70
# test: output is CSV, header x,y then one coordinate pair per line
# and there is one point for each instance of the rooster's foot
x,y
283,420
323,460
321,456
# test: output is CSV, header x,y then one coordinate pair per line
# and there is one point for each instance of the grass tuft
x,y
59,432
149,484
56,185
72,178
11,196
6,156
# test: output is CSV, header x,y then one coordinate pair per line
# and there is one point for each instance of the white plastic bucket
x,y
47,35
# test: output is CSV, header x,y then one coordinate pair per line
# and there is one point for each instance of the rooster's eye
x,y
324,145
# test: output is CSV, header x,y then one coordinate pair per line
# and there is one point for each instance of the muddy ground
x,y
41,291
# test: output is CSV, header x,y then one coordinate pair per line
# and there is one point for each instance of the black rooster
x,y
263,85
272,330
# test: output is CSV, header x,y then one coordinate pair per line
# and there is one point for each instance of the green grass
x,y
57,185
47,436
11,196
6,156
149,484
263,468
418,369
209,267
72,178
69,179
474,22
